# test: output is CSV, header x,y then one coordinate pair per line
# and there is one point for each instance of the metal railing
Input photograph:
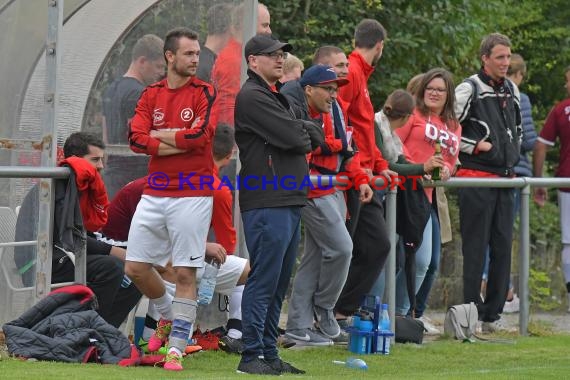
x,y
45,226
523,183
43,277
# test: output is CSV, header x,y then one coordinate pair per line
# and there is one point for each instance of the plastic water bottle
x,y
383,343
365,341
208,283
353,363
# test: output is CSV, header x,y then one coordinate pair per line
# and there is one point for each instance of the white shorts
x,y
164,228
227,278
564,205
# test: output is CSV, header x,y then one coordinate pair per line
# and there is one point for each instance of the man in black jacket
x,y
273,147
487,106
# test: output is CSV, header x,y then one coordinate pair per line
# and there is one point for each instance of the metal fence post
x,y
524,261
49,150
390,266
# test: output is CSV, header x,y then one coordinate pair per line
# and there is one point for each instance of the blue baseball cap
x,y
321,74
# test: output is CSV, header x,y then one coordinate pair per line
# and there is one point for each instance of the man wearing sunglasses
x,y
328,246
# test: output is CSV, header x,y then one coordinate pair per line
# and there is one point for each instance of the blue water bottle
x,y
353,363
364,343
383,342
353,337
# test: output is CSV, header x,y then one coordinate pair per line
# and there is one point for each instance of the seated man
x,y
105,264
234,270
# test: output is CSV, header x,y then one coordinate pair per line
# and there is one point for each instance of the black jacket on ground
x,y
64,327
272,146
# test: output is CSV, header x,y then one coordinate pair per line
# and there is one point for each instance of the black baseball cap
x,y
264,44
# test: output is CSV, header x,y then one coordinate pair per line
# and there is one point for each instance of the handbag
x,y
409,330
461,321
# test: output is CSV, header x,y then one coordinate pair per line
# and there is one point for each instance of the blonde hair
x,y
517,65
291,62
414,84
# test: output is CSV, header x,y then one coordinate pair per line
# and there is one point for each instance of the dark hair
x,y
172,38
368,33
448,112
224,141
77,144
492,40
324,52
399,104
149,46
218,18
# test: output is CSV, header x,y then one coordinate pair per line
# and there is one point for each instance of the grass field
x,y
515,358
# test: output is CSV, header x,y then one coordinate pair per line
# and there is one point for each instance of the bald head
x,y
263,19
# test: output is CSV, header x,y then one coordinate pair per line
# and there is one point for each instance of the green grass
x,y
519,358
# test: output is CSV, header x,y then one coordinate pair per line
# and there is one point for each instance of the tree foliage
x,y
445,33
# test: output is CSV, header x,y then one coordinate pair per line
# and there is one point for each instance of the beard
x,y
183,71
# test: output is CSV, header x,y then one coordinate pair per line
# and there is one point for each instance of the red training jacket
x,y
361,112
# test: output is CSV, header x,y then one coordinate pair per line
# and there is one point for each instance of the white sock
x,y
147,333
164,306
235,303
174,350
235,334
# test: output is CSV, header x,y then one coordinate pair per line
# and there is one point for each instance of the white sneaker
x,y
429,326
497,326
512,306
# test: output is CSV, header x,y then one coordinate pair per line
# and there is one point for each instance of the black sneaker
x,y
257,366
283,367
231,345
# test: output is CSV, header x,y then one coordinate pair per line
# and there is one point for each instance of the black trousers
x,y
371,248
104,276
486,219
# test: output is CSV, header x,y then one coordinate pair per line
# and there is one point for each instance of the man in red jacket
x,y
367,224
172,125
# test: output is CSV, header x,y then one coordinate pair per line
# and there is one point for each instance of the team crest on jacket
x,y
158,117
186,114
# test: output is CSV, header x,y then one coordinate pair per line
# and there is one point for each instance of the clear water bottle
x,y
208,282
353,363
383,343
